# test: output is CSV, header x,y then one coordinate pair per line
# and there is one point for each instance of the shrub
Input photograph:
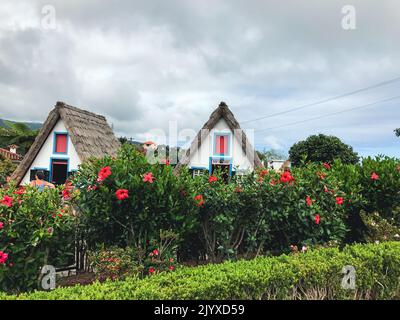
x,y
113,263
316,274
269,211
33,232
126,201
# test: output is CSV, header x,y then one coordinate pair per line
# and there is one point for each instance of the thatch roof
x,y
221,112
89,133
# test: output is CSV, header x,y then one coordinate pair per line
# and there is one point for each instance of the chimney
x,y
13,148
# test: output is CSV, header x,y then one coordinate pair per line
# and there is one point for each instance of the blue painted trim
x,y
223,158
214,144
55,133
51,166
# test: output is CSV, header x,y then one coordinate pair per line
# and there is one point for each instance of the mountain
x,y
33,125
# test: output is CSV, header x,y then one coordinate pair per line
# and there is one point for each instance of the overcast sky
x,y
145,63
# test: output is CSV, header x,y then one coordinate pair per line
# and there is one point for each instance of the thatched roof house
x,y
221,143
68,137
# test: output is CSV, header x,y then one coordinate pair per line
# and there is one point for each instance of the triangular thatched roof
x,y
221,112
89,132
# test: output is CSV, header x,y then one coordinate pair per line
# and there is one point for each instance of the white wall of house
x,y
46,153
201,158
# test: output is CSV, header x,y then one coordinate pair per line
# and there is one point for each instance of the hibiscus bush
x,y
126,201
269,211
36,228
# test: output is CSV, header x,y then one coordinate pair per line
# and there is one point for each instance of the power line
x,y
329,115
324,100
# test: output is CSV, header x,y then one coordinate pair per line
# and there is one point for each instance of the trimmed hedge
x,y
316,274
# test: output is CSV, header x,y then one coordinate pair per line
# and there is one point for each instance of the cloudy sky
x,y
143,64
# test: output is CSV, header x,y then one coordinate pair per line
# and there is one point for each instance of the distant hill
x,y
33,125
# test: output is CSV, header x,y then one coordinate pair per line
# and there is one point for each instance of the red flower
x,y
7,201
152,270
199,200
20,191
321,175
309,201
1,225
166,162
212,179
374,176
286,177
50,230
65,193
122,194
3,257
317,218
326,190
263,173
155,252
327,165
171,259
339,200
148,177
103,173
171,268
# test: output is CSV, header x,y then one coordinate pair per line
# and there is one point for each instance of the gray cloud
x,y
142,64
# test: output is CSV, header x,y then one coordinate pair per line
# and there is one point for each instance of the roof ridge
x,y
62,105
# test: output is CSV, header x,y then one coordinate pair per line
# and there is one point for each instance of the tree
x,y
322,148
397,132
19,134
6,169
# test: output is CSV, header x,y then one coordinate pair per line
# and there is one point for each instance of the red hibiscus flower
x,y
263,173
65,194
3,257
148,177
20,191
1,225
339,200
374,176
212,179
199,200
317,218
321,175
152,270
7,201
103,173
308,201
122,194
155,252
171,268
327,165
286,177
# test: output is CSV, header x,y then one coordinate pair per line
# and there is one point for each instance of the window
x,y
34,171
197,172
59,171
221,145
60,144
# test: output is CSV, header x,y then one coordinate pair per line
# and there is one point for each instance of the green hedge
x,y
312,275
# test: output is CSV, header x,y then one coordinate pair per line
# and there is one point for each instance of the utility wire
x,y
329,115
324,100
